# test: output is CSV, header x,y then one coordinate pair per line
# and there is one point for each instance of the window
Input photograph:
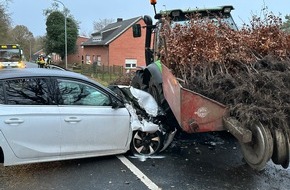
x,y
2,97
28,91
88,59
130,63
76,93
99,60
97,38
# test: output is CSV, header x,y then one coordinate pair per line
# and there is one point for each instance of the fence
x,y
104,73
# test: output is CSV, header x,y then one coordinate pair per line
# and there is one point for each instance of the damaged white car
x,y
49,115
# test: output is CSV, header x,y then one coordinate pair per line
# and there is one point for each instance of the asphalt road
x,y
200,161
31,65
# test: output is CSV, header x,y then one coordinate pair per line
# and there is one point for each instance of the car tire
x,y
145,143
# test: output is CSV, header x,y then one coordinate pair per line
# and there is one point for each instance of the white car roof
x,y
36,72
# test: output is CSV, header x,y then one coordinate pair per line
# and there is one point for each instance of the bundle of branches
x,y
247,70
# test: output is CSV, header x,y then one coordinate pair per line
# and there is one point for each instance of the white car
x,y
48,115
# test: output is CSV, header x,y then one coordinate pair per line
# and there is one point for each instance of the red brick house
x,y
77,57
115,45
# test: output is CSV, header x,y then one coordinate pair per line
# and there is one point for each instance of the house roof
x,y
39,52
111,32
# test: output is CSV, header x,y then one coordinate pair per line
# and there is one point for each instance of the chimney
x,y
119,19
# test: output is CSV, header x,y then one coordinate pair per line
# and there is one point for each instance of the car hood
x,y
142,107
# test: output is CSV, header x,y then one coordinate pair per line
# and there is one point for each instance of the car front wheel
x,y
145,143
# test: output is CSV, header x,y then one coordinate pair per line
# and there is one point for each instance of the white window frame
x,y
97,38
99,59
88,59
130,63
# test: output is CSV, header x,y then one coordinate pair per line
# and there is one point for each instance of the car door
x,y
89,123
29,120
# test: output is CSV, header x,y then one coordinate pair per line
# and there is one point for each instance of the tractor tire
x,y
137,81
156,91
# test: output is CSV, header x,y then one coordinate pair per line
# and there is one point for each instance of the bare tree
x,y
102,23
286,24
21,35
5,23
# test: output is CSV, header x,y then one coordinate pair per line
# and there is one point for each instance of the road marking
x,y
150,184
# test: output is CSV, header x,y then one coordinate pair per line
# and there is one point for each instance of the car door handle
x,y
72,119
13,121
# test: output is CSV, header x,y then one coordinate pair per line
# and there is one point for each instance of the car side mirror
x,y
115,105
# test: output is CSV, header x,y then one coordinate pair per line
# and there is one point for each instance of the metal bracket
x,y
243,134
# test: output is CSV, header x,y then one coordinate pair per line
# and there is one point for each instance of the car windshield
x,y
9,55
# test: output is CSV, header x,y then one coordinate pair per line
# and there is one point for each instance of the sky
x,y
30,12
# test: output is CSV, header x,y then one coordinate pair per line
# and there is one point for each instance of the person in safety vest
x,y
158,61
40,61
48,61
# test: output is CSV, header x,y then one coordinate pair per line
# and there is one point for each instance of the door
x,y
29,120
89,123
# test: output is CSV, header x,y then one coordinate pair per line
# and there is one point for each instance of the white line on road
x,y
151,185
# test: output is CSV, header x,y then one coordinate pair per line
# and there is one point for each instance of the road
x,y
199,161
31,65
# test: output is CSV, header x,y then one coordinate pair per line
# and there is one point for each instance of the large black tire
x,y
156,91
137,80
144,143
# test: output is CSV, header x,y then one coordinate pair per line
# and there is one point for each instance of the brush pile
x,y
248,70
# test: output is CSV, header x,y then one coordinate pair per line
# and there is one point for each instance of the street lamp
x,y
65,32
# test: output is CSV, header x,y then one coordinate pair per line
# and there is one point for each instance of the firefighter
x,y
48,61
40,61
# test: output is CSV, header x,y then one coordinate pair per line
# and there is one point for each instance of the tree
x,y
286,24
22,36
102,23
4,24
55,39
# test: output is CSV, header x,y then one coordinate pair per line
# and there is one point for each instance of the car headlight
x,y
21,64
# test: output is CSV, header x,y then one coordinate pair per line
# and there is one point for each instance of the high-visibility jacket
x,y
158,63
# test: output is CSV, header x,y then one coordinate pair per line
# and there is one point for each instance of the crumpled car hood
x,y
141,105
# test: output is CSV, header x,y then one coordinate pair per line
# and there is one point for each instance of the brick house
x,y
115,45
77,57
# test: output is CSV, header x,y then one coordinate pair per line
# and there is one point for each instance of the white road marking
x,y
151,185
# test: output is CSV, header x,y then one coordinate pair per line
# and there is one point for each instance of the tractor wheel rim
x,y
259,151
280,147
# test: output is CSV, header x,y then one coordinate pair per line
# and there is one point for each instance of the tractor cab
x,y
220,14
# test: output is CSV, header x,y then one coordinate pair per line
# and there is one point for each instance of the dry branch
x,y
247,70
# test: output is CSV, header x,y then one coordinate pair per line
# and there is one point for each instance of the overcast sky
x,y
30,12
